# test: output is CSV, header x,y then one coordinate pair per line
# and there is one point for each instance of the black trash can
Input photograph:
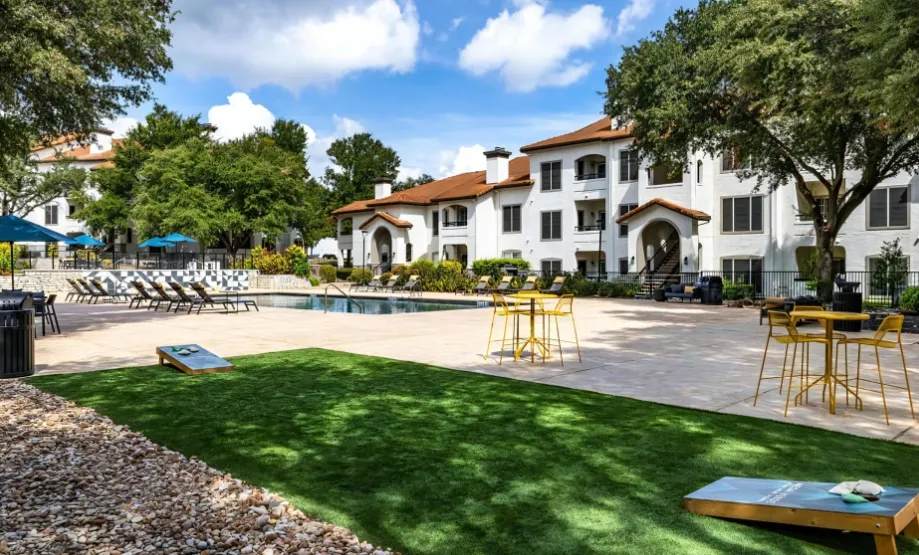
x,y
17,335
847,299
658,295
712,289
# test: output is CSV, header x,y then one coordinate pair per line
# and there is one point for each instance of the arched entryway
x,y
381,249
659,249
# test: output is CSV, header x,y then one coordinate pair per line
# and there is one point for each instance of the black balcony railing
x,y
588,176
595,227
459,223
345,234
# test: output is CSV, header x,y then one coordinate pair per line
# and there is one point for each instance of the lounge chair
x,y
163,296
557,285
505,285
92,294
374,284
141,296
77,292
390,285
529,284
220,298
413,285
184,298
104,293
481,286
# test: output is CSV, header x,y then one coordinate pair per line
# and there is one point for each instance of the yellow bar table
x,y
533,341
828,317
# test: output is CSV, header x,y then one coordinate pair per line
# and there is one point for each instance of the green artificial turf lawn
x,y
433,461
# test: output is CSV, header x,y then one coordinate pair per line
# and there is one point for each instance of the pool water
x,y
370,306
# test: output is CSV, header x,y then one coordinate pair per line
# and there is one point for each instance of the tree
x,y
161,129
221,193
67,64
890,269
782,83
289,135
410,182
357,160
23,188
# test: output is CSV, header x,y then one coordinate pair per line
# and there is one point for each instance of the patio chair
x,y
141,296
564,308
92,294
77,292
104,293
505,285
49,315
390,285
412,285
481,286
504,310
529,284
557,285
163,296
220,298
184,299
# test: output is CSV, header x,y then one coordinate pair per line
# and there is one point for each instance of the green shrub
x,y
909,299
402,272
384,279
493,266
272,263
360,276
343,274
427,271
449,277
327,273
302,269
314,281
737,291
294,255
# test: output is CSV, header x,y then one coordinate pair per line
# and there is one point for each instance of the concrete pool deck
x,y
678,354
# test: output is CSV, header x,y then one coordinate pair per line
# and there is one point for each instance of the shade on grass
x,y
428,460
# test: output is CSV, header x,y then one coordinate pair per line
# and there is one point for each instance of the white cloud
x,y
531,47
294,44
427,29
466,159
456,22
636,11
120,126
317,145
239,117
405,173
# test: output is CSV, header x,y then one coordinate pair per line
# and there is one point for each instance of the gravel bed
x,y
71,481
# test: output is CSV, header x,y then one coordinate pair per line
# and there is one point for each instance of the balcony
x,y
462,223
454,230
588,234
345,241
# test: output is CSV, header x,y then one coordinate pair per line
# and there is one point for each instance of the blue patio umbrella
x,y
88,241
14,229
156,242
178,238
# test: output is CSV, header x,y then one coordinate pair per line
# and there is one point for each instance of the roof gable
x,y
678,208
600,130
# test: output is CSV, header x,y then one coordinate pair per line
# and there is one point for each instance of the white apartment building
x,y
582,201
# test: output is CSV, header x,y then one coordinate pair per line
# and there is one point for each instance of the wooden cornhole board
x,y
810,504
194,364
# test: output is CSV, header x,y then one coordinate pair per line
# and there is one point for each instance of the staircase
x,y
667,272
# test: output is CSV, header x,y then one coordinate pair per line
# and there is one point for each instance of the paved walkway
x,y
687,355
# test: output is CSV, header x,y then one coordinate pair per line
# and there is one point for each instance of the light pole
x,y
363,253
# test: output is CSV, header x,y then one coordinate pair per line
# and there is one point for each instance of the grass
x,y
427,460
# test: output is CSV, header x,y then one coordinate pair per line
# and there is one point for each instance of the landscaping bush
x,y
302,269
737,291
493,266
909,299
449,277
384,279
272,263
343,274
328,274
314,281
294,255
360,276
402,272
5,259
427,271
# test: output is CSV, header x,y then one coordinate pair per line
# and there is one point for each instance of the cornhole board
x,y
194,364
810,504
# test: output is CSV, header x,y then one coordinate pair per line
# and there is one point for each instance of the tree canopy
x,y
23,188
791,86
357,160
67,64
410,182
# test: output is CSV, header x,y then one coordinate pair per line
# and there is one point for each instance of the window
x,y
628,165
71,210
551,176
51,214
888,208
552,225
623,266
742,214
807,215
435,222
744,270
551,267
592,166
699,172
732,161
511,218
408,252
665,174
511,254
623,210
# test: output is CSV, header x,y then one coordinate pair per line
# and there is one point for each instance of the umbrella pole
x,y
12,269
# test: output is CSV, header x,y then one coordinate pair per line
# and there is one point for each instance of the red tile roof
x,y
457,187
394,221
64,139
600,130
82,154
689,212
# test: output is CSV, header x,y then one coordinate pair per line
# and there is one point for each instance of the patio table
x,y
828,317
533,341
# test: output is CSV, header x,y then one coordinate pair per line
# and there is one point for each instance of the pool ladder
x,y
359,305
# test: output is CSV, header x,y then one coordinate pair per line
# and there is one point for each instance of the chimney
x,y
382,187
496,165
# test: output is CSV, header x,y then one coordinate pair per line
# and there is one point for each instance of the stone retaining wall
x,y
49,281
278,282
55,281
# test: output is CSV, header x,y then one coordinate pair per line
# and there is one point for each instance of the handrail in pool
x,y
359,305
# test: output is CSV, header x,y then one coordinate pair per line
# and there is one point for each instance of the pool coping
x,y
478,303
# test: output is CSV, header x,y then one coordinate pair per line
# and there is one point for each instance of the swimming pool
x,y
367,305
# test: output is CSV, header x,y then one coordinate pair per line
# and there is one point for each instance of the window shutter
x,y
556,176
727,215
742,214
899,206
877,208
556,225
757,214
546,225
546,177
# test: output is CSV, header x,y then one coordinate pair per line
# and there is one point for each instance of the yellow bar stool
x,y
504,310
564,308
892,324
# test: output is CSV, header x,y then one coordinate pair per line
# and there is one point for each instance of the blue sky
x,y
435,80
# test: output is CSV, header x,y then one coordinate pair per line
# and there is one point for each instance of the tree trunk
x,y
826,241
